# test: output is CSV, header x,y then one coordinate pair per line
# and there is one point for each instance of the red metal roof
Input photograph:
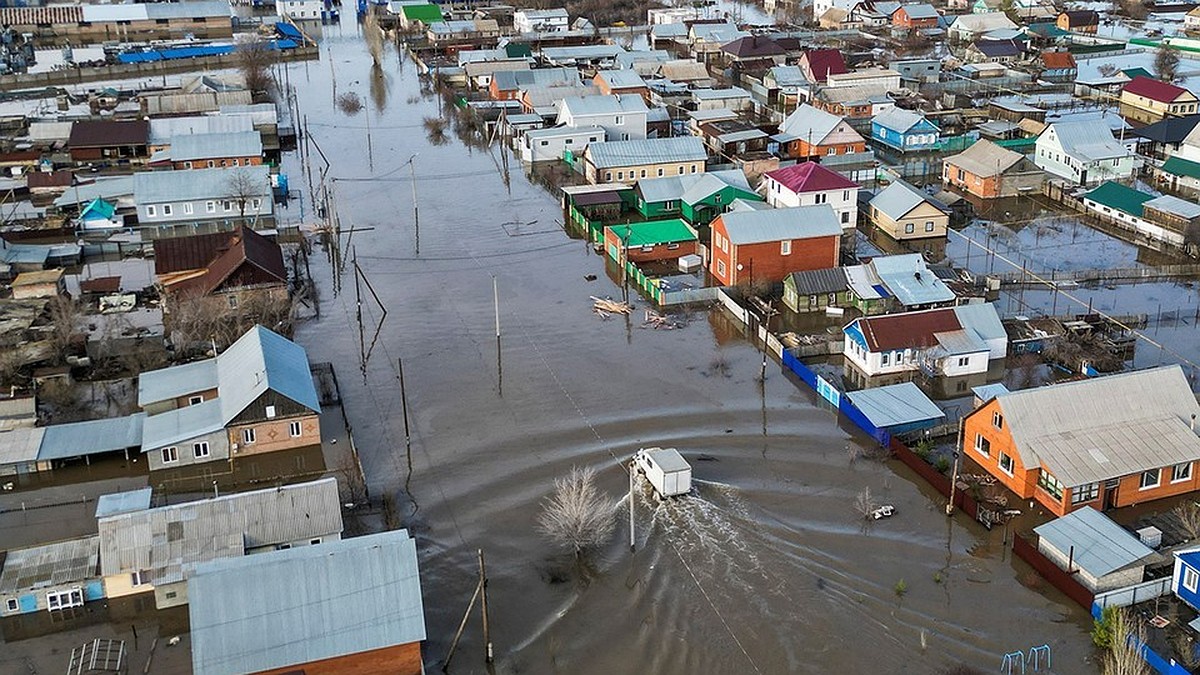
x,y
908,330
220,255
1155,90
825,62
108,133
811,177
1058,60
48,179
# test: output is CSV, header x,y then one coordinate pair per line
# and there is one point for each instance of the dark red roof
x,y
907,331
753,47
811,177
1155,90
108,133
101,285
244,258
51,179
825,62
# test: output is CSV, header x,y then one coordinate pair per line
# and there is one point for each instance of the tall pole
x,y
496,302
412,168
487,636
632,476
954,473
403,402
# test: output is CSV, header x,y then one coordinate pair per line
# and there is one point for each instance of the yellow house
x,y
631,161
903,212
1148,100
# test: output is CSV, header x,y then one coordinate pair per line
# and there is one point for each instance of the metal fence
x,y
1131,595
1058,577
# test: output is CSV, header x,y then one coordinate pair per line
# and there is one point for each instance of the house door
x,y
1083,177
1110,494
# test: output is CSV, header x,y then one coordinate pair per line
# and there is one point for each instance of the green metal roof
x,y
1117,196
1182,167
424,13
654,232
516,50
98,209
1137,72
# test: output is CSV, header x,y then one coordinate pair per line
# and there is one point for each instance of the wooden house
x,y
903,212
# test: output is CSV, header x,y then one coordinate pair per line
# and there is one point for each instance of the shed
x,y
40,284
91,437
123,502
56,576
897,407
987,392
1101,553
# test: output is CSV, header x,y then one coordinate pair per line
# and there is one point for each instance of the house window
x,y
248,436
64,599
187,208
210,207
1085,493
997,420
232,300
963,361
909,228
228,205
929,226
831,151
314,542
660,172
820,198
643,173
982,445
1050,484
833,298
170,454
294,430
1006,463
1191,578
151,211
187,165
1181,472
721,268
618,120
195,400
544,143
138,578
1150,479
620,175
885,358
200,450
256,203
568,141
607,175
11,604
846,195
211,164
785,247
270,411
680,169
693,168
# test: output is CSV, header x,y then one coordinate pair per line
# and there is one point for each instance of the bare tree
x,y
577,517
194,321
64,324
243,186
1125,654
1189,517
373,36
254,59
1166,63
864,503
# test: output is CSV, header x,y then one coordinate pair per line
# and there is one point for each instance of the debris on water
x,y
707,458
589,277
606,307
885,511
655,320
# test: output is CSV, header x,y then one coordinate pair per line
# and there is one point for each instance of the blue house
x,y
904,130
1185,582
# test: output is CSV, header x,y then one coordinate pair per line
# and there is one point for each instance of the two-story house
x,y
951,342
630,161
257,396
198,151
810,183
621,116
1084,152
904,130
916,16
540,21
810,133
1105,442
764,246
1147,100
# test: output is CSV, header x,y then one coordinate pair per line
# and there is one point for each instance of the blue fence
x,y
829,393
1159,664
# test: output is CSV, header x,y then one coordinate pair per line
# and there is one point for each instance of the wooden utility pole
x,y
632,477
487,635
461,626
954,473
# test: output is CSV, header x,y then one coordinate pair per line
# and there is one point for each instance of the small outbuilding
x,y
897,408
40,284
1100,553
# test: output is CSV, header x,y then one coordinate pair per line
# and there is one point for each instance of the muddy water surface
x,y
764,568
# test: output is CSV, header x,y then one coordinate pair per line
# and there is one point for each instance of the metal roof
x,y
985,158
1105,427
812,282
64,562
667,459
719,94
654,232
168,383
612,104
187,10
108,188
622,79
920,11
216,145
80,439
789,76
810,124
981,317
257,361
123,502
897,199
1120,197
1095,543
895,405
987,392
163,540
957,343
306,604
612,154
153,187
585,52
898,119
19,445
1175,206
796,222
710,183
910,281
667,188
1089,140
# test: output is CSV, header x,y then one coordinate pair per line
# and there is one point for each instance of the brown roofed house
x,y
111,140
237,265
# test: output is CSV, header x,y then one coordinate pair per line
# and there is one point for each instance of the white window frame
x,y
1000,460
1191,578
1178,475
73,598
12,604
136,578
785,247
170,454
980,440
200,450
1142,485
168,210
195,400
151,211
270,412
248,436
295,429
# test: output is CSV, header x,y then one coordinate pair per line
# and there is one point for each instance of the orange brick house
x,y
989,171
209,151
810,133
765,245
1105,442
916,16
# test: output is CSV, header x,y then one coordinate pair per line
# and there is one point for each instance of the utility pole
x,y
954,472
632,477
412,168
483,583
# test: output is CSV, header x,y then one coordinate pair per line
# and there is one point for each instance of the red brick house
x,y
915,17
766,245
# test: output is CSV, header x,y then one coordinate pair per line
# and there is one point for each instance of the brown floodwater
x,y
765,567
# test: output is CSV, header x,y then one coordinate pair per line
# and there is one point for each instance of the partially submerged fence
x,y
1131,595
1058,577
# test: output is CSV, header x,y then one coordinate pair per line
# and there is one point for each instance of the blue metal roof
x,y
305,604
988,392
79,439
287,30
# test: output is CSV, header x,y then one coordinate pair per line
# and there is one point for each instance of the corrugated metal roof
x,y
898,119
796,222
181,424
585,52
305,604
987,392
123,502
895,405
667,188
163,540
612,104
154,187
981,317
1105,427
1120,197
897,199
985,158
190,147
813,282
715,181
1175,206
80,439
1100,546
910,281
1088,140
108,133
19,445
64,562
654,232
108,188
187,10
958,343
810,124
612,154
719,94
622,79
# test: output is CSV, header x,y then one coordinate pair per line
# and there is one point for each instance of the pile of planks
x,y
655,320
606,307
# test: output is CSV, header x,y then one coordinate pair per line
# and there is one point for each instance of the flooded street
x,y
765,567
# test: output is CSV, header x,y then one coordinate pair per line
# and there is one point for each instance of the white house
x,y
1084,152
299,9
819,7
810,183
187,196
621,116
549,145
885,79
968,27
540,20
949,342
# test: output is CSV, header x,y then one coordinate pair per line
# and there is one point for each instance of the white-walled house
x,y
810,183
621,116
1084,152
299,9
187,196
540,20
949,342
549,145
